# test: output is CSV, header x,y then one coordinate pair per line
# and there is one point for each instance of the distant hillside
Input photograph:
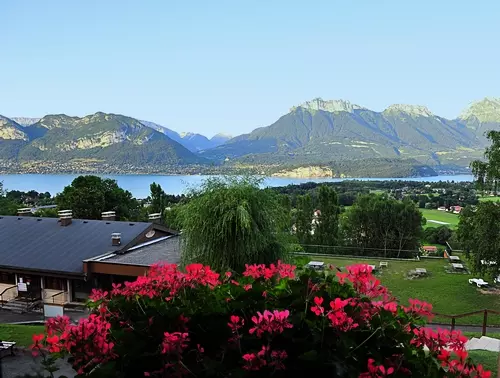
x,y
325,131
114,139
192,141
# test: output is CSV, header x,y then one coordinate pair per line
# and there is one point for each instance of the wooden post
x,y
485,321
498,365
452,324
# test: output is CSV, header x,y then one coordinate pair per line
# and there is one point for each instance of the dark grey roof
x,y
43,244
165,250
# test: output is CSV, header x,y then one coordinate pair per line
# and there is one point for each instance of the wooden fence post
x,y
485,321
452,324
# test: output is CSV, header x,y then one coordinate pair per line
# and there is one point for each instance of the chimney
x,y
26,212
65,217
155,217
116,239
108,216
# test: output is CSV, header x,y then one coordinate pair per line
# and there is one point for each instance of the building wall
x,y
116,269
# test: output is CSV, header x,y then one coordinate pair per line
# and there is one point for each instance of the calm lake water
x,y
138,185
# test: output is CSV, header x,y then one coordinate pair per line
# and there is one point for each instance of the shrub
x,y
270,321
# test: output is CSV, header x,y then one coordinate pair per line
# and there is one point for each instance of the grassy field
x,y
489,199
489,360
21,334
450,294
440,216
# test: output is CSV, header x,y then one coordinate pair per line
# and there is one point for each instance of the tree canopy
x,y
384,223
479,233
327,227
89,196
230,222
487,173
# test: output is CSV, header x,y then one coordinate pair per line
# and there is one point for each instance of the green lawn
x,y
440,216
488,359
489,199
21,334
450,294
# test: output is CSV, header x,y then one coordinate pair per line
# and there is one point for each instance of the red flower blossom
x,y
97,295
270,322
174,343
279,270
318,309
420,308
376,371
235,323
253,362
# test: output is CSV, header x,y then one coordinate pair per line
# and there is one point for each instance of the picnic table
x,y
454,258
458,266
384,264
6,345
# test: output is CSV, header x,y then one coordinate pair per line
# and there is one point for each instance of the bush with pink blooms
x,y
270,321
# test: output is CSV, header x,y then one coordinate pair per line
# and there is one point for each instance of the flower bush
x,y
270,321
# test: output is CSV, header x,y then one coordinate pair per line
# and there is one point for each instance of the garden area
x,y
449,293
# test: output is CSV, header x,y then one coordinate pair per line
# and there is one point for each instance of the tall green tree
x,y
479,233
303,219
159,199
89,196
479,228
7,206
230,222
487,173
380,224
327,227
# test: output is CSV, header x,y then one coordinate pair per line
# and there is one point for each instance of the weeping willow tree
x,y
230,222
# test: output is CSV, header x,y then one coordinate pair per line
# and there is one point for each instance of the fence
x,y
484,325
337,250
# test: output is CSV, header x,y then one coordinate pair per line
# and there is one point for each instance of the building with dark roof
x,y
60,260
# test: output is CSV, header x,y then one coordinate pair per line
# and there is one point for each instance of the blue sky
x,y
231,66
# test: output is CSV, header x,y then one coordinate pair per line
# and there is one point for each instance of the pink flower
x,y
174,343
271,322
420,308
318,309
235,323
253,362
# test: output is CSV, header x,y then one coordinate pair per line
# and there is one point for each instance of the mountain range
x,y
321,131
111,138
193,142
316,132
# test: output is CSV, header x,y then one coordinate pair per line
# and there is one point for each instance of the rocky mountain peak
x,y
413,110
331,106
25,121
485,110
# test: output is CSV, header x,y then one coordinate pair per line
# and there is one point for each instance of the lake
x,y
138,185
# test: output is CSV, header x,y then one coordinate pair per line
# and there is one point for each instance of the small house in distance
x,y
59,261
